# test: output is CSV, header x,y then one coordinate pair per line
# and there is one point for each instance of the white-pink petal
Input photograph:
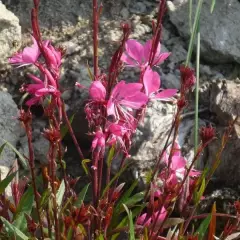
x,y
151,81
134,50
165,94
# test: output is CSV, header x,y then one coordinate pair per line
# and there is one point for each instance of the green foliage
x,y
12,230
5,182
130,224
64,128
82,196
201,231
24,207
22,159
60,193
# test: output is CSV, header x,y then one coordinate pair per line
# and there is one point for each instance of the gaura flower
x,y
152,83
39,90
28,56
125,95
97,91
137,55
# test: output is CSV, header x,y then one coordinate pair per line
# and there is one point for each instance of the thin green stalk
x,y
196,124
194,31
190,15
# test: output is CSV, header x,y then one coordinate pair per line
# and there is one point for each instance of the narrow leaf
x,y
60,193
212,226
213,5
1,148
125,196
22,159
64,128
12,230
131,225
203,227
5,182
84,165
110,156
117,175
25,206
82,196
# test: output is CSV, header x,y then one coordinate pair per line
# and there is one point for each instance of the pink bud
x,y
97,91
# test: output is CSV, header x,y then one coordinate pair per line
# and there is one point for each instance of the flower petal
x,y
97,91
151,81
136,101
160,58
129,61
134,50
165,94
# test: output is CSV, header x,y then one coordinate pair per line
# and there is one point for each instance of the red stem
x,y
55,207
32,167
95,37
71,132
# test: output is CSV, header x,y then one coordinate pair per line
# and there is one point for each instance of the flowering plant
x,y
53,209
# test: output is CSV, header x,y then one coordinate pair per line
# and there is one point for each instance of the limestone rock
x,y
10,34
9,130
219,30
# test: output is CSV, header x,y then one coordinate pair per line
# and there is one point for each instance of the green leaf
x,y
203,227
200,192
212,5
2,147
100,237
84,165
110,156
22,159
82,196
135,199
44,198
136,211
131,225
116,176
60,193
5,182
25,206
64,128
125,197
12,230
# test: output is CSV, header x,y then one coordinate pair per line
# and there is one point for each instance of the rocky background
x,y
68,23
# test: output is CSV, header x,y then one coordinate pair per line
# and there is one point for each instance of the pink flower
x,y
39,90
117,135
143,220
152,82
28,56
54,55
97,91
99,141
125,95
137,55
160,215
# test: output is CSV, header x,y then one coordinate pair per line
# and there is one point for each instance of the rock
x,y
224,103
10,34
151,136
9,130
219,30
125,13
171,80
